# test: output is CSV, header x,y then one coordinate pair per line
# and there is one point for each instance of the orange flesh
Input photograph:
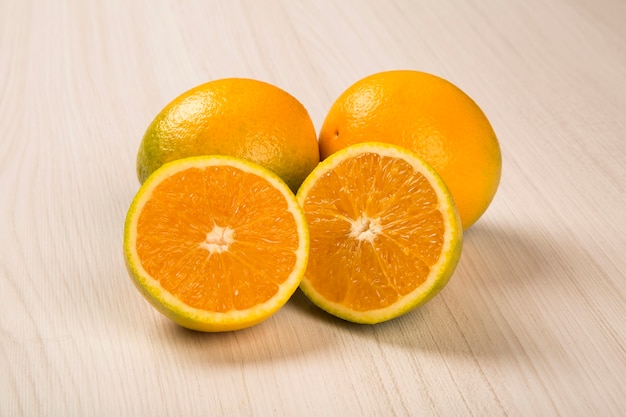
x,y
217,238
375,231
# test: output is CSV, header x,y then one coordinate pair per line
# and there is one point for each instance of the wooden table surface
x,y
533,322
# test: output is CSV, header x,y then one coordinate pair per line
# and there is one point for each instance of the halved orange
x,y
215,243
385,233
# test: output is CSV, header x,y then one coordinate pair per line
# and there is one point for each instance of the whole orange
x,y
430,116
239,117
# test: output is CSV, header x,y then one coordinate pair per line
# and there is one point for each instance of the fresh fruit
x,y
215,243
385,234
429,116
239,117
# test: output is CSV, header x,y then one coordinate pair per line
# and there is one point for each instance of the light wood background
x,y
533,323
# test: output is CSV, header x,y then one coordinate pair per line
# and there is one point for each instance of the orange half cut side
x,y
215,243
385,233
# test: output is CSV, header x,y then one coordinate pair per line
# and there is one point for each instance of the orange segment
x,y
216,243
385,234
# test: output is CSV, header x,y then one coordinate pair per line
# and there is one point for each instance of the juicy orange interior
x,y
217,238
375,229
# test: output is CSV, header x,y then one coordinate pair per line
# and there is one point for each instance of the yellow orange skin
x,y
239,117
430,116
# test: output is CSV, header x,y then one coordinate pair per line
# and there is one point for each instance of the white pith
x,y
365,228
218,239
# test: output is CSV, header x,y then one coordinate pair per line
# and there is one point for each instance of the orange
x,y
215,243
385,236
430,116
239,117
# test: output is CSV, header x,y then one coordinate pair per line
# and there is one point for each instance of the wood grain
x,y
532,323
